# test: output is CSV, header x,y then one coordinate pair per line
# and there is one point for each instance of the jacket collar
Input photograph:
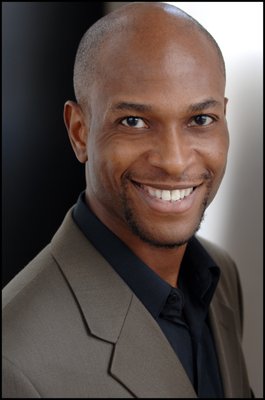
x,y
143,360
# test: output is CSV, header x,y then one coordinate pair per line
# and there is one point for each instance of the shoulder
x,y
36,297
229,289
30,298
39,316
43,270
229,272
218,254
27,276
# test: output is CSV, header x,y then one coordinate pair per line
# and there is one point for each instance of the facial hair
x,y
135,224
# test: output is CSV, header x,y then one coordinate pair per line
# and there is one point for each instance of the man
x,y
126,301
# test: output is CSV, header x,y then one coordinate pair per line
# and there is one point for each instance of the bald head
x,y
147,24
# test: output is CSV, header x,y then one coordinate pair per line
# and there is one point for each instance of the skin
x,y
167,76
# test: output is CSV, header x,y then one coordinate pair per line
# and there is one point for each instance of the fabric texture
x,y
180,312
73,328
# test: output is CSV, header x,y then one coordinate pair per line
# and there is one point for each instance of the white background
x,y
234,219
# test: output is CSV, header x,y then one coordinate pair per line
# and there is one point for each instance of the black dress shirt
x,y
182,313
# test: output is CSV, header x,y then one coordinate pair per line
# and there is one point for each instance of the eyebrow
x,y
196,107
131,106
203,105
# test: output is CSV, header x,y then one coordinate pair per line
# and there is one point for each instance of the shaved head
x,y
150,122
146,21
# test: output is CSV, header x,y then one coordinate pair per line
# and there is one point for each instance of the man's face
x,y
158,140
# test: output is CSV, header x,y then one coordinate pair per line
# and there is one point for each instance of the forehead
x,y
168,61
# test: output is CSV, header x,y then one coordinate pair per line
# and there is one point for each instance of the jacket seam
x,y
22,373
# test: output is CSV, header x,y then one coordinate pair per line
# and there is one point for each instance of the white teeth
x,y
175,195
168,195
182,193
152,191
158,193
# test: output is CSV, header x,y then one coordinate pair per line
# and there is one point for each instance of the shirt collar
x,y
151,290
198,271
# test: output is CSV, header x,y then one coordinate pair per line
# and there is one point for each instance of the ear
x,y
77,130
225,104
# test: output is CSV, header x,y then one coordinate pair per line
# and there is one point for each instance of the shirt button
x,y
172,299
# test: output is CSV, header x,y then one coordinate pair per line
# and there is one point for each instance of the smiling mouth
x,y
166,195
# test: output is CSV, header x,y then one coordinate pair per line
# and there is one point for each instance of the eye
x,y
133,122
201,120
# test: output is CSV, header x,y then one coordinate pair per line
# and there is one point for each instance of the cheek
x,y
217,160
221,155
108,163
120,155
217,153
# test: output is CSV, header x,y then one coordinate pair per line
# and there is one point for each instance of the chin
x,y
169,243
168,239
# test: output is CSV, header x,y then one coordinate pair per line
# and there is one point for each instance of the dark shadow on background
x,y
41,177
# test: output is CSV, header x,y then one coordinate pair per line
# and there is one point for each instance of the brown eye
x,y
133,122
201,120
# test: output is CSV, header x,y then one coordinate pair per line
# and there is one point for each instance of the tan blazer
x,y
73,328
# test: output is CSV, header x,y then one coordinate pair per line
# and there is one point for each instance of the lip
x,y
168,207
163,186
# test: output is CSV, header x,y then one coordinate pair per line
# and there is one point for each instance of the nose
x,y
172,152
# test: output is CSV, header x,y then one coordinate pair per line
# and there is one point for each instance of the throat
x,y
164,262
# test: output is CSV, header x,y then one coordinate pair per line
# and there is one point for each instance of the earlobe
x,y
77,130
225,104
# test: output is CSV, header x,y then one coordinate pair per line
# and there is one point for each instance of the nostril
x,y
172,161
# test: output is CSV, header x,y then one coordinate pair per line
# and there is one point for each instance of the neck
x,y
164,262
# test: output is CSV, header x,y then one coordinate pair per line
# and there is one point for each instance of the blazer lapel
x,y
100,292
143,361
